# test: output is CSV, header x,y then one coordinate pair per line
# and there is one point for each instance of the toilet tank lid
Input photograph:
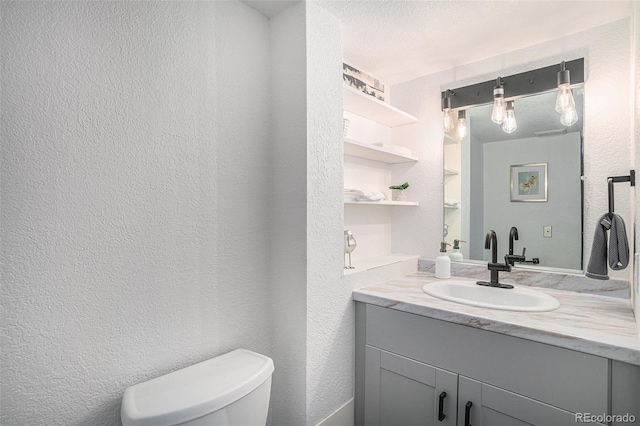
x,y
195,391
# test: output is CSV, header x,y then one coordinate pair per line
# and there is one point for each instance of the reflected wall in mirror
x,y
478,191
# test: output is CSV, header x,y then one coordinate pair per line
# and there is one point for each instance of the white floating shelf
x,y
451,207
384,203
450,171
375,153
369,107
450,140
378,262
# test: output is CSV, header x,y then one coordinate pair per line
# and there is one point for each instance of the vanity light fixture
x,y
514,86
509,124
461,130
447,119
499,108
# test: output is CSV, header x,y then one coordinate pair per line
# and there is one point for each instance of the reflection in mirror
x,y
529,179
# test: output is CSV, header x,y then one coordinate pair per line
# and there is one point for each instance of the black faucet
x,y
511,258
491,242
513,235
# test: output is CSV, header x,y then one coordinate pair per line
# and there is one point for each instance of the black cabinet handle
x,y
441,414
467,413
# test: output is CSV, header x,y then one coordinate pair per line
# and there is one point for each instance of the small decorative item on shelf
x,y
362,81
349,246
398,192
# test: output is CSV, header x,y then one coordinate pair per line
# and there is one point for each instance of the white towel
x,y
372,196
353,193
359,195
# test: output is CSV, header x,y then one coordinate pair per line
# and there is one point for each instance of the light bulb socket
x,y
462,115
510,105
564,75
446,99
498,89
446,103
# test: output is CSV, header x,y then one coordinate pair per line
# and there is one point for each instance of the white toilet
x,y
231,389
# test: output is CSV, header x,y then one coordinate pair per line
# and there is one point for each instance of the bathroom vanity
x,y
423,360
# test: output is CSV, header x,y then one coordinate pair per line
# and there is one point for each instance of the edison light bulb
x,y
564,100
509,125
569,117
499,111
447,120
461,130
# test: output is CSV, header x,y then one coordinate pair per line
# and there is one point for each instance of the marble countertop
x,y
598,325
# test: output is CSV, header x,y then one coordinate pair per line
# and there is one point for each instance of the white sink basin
x,y
469,293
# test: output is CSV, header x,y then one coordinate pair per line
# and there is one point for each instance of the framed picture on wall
x,y
529,182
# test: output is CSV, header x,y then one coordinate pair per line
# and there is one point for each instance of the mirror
x,y
530,179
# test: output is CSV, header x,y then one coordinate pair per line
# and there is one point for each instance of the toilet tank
x,y
233,388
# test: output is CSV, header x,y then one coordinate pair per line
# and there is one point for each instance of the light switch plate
x,y
546,231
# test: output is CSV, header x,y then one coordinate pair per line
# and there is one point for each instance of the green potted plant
x,y
398,192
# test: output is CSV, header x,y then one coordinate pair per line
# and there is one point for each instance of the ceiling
x,y
269,8
400,40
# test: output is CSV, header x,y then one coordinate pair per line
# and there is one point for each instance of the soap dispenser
x,y
455,254
443,262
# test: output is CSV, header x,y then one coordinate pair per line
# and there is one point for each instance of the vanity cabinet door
x,y
400,391
625,393
481,404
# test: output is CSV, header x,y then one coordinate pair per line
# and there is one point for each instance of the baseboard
x,y
343,416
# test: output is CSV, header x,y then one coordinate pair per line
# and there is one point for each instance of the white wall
x,y
607,131
172,191
288,222
135,181
329,305
562,210
419,230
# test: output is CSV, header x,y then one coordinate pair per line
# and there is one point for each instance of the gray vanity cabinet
x,y
402,391
405,361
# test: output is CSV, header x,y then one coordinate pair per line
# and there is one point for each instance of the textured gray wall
x,y
134,188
